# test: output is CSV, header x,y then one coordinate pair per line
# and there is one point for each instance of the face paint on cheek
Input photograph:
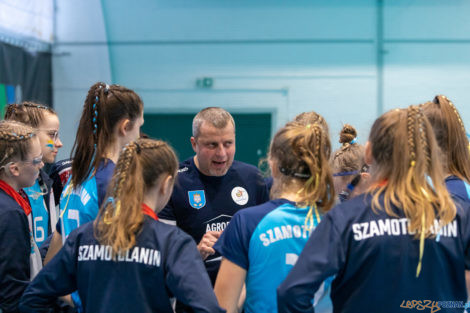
x,y
50,144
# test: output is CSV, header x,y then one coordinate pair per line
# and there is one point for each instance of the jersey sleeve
x,y
186,277
15,249
322,257
57,278
234,242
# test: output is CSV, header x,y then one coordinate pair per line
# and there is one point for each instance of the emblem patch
x,y
197,198
240,195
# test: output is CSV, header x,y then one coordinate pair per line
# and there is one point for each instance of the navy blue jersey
x,y
15,250
60,173
163,263
375,259
201,203
458,187
266,241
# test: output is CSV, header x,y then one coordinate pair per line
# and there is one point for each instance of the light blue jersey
x,y
80,205
44,213
266,241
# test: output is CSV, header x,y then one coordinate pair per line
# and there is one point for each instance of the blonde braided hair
x,y
141,164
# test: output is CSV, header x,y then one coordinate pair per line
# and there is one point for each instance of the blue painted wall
x,y
348,60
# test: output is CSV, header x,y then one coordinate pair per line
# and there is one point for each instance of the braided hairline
x,y
13,137
129,152
412,113
423,138
33,105
454,109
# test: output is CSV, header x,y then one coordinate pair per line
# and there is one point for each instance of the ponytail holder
x,y
353,141
111,200
106,89
137,148
413,163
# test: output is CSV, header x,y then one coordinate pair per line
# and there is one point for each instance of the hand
x,y
207,242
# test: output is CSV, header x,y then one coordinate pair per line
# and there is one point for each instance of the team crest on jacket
x,y
197,198
240,195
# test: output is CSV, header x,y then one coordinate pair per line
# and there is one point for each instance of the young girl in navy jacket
x,y
403,245
20,162
128,261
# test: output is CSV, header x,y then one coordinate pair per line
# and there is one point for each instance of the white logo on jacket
x,y
240,195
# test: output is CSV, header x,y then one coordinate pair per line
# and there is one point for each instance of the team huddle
x,y
124,227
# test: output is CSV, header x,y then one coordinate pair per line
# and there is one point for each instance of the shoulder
x,y
253,215
105,169
8,205
166,233
187,169
355,209
244,168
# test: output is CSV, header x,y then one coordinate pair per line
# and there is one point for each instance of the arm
x,y
15,247
56,279
322,257
186,276
54,247
229,285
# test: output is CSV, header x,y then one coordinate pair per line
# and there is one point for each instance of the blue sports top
x,y
201,203
266,241
41,199
163,264
81,204
375,261
458,187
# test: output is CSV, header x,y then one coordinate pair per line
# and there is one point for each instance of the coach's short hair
x,y
217,117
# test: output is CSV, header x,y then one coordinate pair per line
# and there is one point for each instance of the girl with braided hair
x,y
452,139
349,170
111,118
41,196
20,162
127,260
405,240
262,243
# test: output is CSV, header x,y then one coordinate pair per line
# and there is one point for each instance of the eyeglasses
x,y
52,133
35,161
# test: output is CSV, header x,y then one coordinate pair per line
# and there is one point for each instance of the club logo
x,y
197,198
240,195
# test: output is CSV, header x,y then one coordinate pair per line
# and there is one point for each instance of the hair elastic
x,y
345,173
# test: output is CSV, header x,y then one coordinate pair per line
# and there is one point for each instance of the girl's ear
x,y
124,126
12,169
273,167
166,185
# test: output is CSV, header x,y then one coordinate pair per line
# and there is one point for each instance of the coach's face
x,y
215,149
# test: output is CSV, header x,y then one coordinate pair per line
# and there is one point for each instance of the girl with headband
x,y
262,243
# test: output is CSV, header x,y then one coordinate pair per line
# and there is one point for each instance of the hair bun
x,y
347,134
